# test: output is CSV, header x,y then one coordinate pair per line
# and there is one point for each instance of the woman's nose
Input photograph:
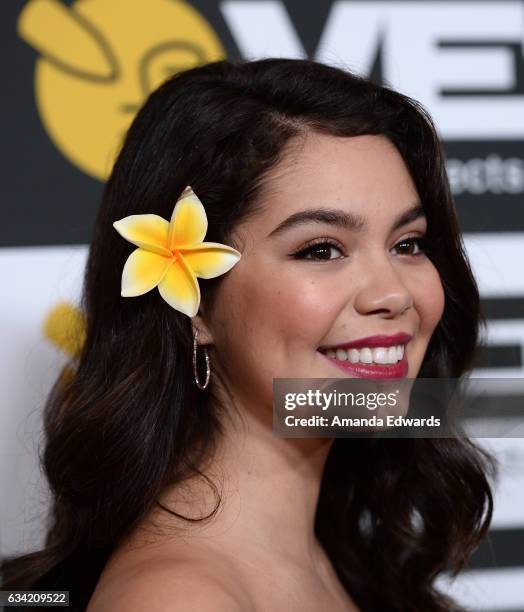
x,y
382,291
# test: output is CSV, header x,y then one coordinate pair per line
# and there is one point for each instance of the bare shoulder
x,y
170,587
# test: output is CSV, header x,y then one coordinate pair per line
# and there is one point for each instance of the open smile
x,y
374,361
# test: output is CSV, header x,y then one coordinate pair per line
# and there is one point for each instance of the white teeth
x,y
354,355
366,356
380,354
342,355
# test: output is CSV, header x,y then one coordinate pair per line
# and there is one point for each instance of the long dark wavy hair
x,y
130,422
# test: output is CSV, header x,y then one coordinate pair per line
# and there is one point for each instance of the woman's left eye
x,y
420,243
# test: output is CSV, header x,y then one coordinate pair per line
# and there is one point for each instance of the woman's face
x,y
286,298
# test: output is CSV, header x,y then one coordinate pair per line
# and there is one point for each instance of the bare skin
x,y
272,313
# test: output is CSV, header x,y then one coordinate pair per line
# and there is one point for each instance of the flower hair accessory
x,y
171,255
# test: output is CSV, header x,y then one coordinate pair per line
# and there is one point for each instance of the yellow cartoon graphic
x,y
65,327
100,59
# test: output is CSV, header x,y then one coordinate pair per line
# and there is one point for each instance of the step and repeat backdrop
x,y
75,74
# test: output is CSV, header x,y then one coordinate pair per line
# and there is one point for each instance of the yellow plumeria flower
x,y
172,255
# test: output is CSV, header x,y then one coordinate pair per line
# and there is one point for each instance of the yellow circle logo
x,y
100,59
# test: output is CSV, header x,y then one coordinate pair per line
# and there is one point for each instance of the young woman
x,y
173,494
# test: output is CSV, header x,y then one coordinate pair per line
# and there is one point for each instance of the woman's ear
x,y
204,332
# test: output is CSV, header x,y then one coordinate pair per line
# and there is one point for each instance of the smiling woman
x,y
173,495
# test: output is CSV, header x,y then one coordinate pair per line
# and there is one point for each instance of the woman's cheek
x,y
311,300
431,298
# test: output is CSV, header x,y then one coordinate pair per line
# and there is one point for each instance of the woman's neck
x,y
269,490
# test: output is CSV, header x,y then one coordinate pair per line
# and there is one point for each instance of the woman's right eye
x,y
321,251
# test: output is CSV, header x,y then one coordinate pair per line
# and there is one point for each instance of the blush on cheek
x,y
320,298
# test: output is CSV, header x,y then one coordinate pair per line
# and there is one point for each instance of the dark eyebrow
x,y
342,218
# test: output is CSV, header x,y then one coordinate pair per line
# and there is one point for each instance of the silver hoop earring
x,y
201,386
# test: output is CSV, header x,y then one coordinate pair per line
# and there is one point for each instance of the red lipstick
x,y
371,341
372,370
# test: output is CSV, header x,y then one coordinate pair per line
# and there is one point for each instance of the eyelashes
x,y
324,247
